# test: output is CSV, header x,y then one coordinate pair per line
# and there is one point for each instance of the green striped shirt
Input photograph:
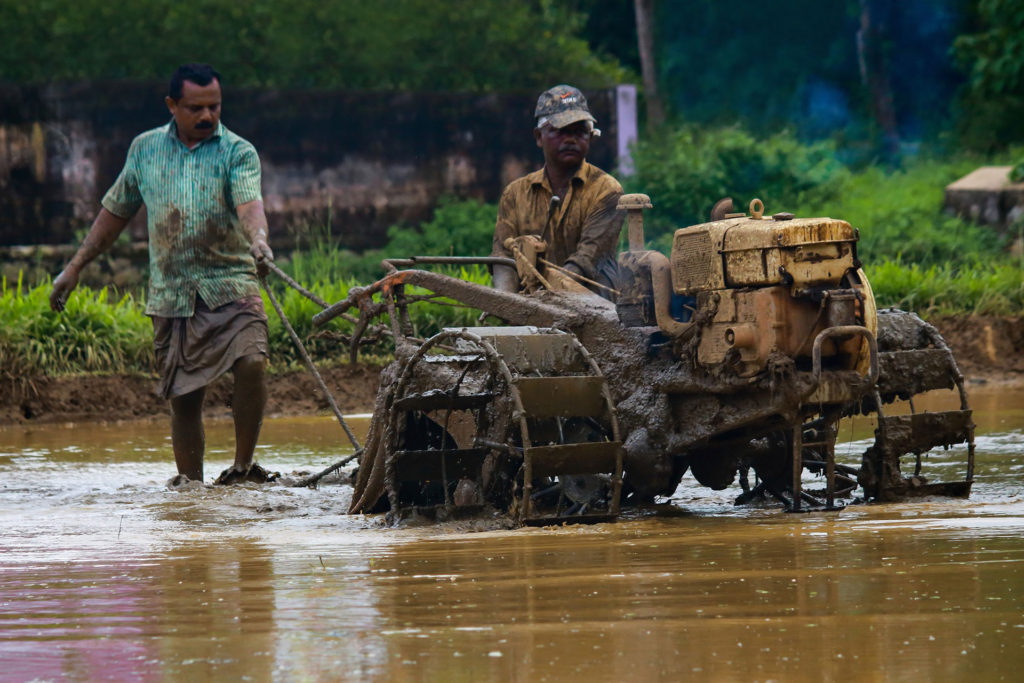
x,y
196,243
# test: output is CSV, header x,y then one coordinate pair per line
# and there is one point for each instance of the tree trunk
x,y
874,74
645,44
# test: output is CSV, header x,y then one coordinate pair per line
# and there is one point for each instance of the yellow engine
x,y
759,287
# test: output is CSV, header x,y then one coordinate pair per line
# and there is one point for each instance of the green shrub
x,y
898,211
458,228
993,56
686,170
458,45
899,214
92,335
1017,173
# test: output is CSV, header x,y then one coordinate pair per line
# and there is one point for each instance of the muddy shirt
x,y
196,243
582,229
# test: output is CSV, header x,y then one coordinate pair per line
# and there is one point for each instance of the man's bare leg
x,y
187,435
247,405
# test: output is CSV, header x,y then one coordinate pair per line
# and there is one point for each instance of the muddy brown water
x,y
107,574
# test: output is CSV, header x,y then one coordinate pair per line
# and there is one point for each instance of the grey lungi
x,y
192,352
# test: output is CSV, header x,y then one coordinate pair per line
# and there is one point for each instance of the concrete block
x,y
986,195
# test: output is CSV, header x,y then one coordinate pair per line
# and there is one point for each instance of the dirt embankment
x,y
76,399
987,348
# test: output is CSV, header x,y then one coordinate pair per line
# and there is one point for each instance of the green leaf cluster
x,y
459,228
900,217
992,54
1017,173
462,45
995,54
687,169
92,335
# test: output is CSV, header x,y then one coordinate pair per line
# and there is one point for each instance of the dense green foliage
x,y
457,228
793,63
898,211
94,334
685,171
992,53
995,53
899,215
989,289
400,44
461,228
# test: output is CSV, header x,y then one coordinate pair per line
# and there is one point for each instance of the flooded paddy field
x,y
105,573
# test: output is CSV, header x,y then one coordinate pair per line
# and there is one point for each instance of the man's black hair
x,y
200,74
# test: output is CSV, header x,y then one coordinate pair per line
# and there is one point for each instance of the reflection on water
x,y
104,573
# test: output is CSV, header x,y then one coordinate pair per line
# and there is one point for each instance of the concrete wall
x,y
366,160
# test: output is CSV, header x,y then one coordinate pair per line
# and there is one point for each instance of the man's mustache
x,y
204,125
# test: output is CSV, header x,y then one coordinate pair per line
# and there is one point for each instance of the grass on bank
x,y
93,335
99,335
991,289
900,216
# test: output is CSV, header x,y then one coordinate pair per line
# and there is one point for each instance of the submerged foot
x,y
181,482
237,475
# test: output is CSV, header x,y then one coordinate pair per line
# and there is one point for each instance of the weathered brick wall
x,y
368,159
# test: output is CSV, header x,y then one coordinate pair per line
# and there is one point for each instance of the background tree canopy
x,y
806,65
466,45
992,50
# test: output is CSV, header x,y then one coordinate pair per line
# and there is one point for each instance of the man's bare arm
x,y
102,234
254,223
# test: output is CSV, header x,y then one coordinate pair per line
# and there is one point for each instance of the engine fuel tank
x,y
762,252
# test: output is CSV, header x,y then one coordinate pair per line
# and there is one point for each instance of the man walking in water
x,y
569,203
200,184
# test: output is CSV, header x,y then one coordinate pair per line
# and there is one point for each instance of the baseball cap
x,y
561,106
